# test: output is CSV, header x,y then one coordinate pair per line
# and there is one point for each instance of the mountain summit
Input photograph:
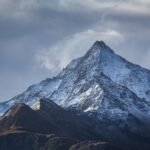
x,y
100,84
100,46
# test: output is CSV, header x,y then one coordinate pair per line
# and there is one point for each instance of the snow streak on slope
x,y
134,77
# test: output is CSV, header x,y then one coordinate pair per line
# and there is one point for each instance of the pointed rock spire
x,y
98,48
99,44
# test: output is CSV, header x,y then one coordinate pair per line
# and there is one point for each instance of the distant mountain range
x,y
99,101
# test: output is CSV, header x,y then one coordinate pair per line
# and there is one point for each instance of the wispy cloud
x,y
58,56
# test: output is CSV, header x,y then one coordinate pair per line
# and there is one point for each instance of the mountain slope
x,y
22,117
68,123
49,118
48,128
23,128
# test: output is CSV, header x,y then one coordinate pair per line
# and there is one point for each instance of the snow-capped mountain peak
x,y
101,82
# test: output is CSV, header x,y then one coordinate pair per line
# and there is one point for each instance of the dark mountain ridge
x,y
48,128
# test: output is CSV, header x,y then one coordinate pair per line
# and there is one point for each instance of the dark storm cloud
x,y
38,35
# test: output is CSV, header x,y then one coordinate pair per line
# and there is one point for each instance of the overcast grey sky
x,y
40,37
